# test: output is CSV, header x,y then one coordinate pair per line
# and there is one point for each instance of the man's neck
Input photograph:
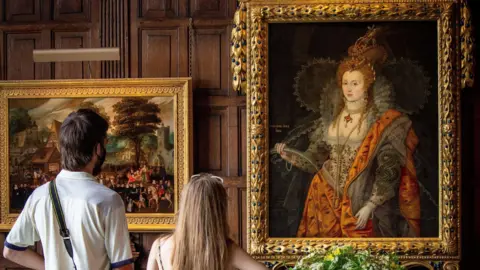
x,y
87,169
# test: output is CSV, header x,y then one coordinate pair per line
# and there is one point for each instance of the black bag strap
x,y
61,220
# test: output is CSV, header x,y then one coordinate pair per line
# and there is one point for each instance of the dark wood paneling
x,y
157,9
48,26
233,136
72,10
71,40
243,140
219,118
18,57
475,102
212,8
114,30
212,140
243,216
211,63
236,196
22,10
232,213
213,101
143,243
161,53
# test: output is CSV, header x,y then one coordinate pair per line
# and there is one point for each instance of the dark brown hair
x,y
79,135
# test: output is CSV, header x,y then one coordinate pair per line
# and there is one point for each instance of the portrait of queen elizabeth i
x,y
361,166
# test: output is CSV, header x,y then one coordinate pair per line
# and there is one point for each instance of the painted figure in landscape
x,y
139,162
362,144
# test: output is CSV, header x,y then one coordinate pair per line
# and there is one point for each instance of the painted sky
x,y
59,108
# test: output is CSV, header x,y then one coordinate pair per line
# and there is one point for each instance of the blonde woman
x,y
200,240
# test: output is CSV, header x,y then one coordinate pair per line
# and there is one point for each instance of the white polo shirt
x,y
94,215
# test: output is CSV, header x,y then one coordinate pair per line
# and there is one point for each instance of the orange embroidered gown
x,y
322,218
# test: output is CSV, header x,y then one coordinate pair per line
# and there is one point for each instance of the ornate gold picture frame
x,y
263,58
147,166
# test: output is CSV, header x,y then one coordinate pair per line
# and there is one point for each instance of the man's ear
x,y
98,149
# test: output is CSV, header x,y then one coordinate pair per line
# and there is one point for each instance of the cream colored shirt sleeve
x,y
24,232
117,237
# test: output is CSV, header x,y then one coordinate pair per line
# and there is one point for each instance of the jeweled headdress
x,y
366,52
316,79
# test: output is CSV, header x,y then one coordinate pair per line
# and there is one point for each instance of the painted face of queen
x,y
353,85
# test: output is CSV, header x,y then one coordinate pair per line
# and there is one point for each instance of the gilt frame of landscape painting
x,y
149,149
295,60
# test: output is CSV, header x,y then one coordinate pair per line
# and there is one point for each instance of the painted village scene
x,y
140,156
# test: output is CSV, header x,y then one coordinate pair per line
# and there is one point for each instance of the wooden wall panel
x,y
232,213
233,137
242,215
71,40
18,56
72,10
160,52
212,140
235,190
156,9
243,139
22,10
212,8
114,30
474,186
217,134
211,59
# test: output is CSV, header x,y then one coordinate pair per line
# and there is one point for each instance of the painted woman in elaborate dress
x,y
360,153
145,173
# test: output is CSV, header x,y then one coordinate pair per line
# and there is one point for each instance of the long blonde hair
x,y
201,233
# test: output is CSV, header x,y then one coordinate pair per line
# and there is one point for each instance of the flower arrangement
x,y
347,257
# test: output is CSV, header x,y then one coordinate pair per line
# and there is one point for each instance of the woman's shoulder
x,y
162,241
157,251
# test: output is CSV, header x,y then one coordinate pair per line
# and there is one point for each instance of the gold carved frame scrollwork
x,y
178,88
249,67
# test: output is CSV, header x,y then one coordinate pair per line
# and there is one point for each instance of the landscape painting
x,y
149,142
139,164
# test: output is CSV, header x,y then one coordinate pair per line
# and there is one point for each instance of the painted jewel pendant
x,y
348,119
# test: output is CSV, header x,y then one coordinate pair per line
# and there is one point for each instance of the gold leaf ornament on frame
x,y
467,42
239,49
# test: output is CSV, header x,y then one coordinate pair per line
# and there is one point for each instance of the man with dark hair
x,y
94,215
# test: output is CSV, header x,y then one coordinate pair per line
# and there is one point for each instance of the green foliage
x,y
150,142
171,138
134,119
135,116
19,120
100,110
347,257
44,133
